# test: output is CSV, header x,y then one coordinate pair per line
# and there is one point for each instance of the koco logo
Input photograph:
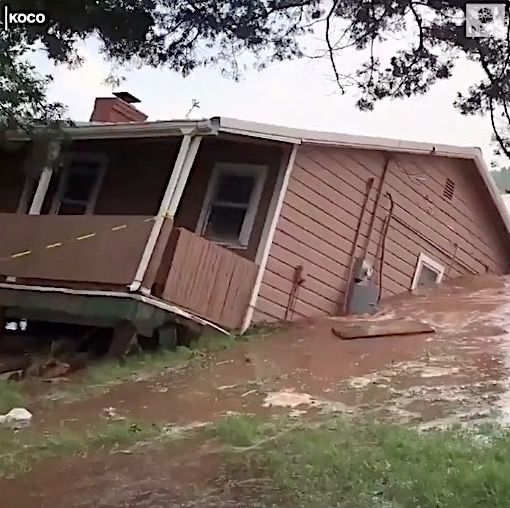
x,y
11,17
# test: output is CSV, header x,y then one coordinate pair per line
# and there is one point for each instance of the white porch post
x,y
53,151
183,163
266,240
40,193
183,176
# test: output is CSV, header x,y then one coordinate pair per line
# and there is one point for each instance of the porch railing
x,y
98,249
209,280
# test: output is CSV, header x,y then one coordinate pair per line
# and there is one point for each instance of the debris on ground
x,y
111,413
16,417
377,328
288,398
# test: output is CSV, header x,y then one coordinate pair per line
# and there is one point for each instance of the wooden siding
x,y
213,151
321,211
209,280
110,257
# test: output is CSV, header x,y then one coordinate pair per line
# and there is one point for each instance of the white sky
x,y
297,94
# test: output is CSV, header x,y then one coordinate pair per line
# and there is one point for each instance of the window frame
x,y
67,162
431,264
259,172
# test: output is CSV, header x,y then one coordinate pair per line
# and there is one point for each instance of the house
x,y
229,223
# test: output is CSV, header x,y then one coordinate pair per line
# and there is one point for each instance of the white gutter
x,y
302,136
103,130
118,294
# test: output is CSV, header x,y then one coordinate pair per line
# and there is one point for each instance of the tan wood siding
x,y
209,280
321,211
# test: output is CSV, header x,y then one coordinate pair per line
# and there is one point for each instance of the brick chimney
x,y
118,109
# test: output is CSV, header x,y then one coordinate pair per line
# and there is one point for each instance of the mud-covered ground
x,y
457,375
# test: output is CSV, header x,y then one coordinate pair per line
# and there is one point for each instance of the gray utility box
x,y
363,298
363,293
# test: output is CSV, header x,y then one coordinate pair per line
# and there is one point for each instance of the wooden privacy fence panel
x,y
103,249
208,280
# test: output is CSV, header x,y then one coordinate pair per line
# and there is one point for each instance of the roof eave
x,y
134,130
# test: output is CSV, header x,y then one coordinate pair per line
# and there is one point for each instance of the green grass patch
x,y
353,464
215,342
239,430
11,395
103,373
100,376
19,451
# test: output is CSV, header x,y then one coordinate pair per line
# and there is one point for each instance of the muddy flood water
x,y
460,374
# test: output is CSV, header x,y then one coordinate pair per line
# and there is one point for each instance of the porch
x,y
180,220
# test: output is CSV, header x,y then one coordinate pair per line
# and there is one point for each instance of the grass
x,y
101,376
11,395
353,464
239,430
19,451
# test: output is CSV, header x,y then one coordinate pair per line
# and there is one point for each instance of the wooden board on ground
x,y
382,328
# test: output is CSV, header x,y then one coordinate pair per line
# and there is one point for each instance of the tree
x,y
425,37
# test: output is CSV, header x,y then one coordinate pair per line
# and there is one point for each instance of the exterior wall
x,y
320,214
136,174
213,151
12,179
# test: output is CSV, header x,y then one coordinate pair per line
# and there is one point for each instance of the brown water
x,y
459,374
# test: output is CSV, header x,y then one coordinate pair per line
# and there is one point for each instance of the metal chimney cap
x,y
127,97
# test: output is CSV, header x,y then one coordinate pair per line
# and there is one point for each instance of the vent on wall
x,y
449,188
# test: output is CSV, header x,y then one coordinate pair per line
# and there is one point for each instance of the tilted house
x,y
230,223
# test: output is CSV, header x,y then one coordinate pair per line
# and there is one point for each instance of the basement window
x,y
449,189
79,184
428,272
231,203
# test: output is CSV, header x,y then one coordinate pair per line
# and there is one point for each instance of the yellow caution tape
x,y
83,237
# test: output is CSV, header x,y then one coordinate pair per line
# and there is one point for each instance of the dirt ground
x,y
457,375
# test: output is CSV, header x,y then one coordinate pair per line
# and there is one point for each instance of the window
x,y
79,184
231,203
428,272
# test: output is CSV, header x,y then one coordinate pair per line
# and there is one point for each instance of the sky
x,y
297,94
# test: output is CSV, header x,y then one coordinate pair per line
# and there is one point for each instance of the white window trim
x,y
256,170
68,159
424,260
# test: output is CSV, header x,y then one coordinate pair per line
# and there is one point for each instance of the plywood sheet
x,y
380,328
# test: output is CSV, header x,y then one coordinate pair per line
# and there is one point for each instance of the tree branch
x,y
330,46
500,140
